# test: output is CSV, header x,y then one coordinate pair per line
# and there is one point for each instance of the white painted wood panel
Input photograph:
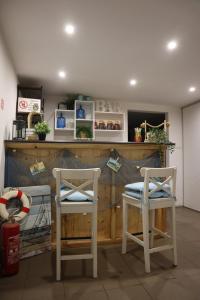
x,y
191,146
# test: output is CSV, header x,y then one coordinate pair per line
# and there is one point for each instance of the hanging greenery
x,y
159,136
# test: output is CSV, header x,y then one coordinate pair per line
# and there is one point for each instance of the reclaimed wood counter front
x,y
21,155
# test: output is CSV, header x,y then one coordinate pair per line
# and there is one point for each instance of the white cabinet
x,y
84,120
109,122
85,123
68,116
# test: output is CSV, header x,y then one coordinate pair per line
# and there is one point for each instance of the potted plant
x,y
84,132
42,129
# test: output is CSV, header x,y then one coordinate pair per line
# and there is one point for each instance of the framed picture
x,y
27,105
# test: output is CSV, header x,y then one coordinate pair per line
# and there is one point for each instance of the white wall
x,y
175,132
191,145
8,92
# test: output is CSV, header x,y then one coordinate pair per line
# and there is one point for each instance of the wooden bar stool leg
x,y
145,223
152,212
94,241
174,234
124,226
58,243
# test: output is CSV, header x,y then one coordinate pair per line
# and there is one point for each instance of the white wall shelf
x,y
64,129
113,117
107,130
108,112
65,110
69,119
84,120
84,126
91,120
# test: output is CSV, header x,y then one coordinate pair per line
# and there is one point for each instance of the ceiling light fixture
x,y
172,45
62,74
192,89
133,82
70,29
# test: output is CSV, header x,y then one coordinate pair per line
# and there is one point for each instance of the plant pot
x,y
42,136
83,135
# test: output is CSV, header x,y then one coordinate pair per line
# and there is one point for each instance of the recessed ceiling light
x,y
133,82
172,45
192,89
62,74
70,29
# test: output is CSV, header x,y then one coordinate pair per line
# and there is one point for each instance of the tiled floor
x,y
120,276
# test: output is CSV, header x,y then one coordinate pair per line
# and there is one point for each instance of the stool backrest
x,y
166,181
87,177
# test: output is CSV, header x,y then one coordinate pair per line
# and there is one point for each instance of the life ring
x,y
14,194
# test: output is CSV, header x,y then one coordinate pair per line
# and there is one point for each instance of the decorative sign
x,y
29,105
2,104
114,161
37,167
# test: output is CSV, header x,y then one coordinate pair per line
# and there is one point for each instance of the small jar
x,y
117,125
110,125
102,124
96,125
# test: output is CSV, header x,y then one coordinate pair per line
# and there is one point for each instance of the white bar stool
x,y
76,199
148,196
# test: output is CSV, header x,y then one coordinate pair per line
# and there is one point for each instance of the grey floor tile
x,y
129,293
84,289
18,279
182,287
12,287
83,285
47,291
120,276
10,294
98,295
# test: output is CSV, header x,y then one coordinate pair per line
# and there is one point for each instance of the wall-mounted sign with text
x,y
29,105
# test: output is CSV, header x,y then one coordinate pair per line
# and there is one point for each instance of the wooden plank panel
x,y
109,204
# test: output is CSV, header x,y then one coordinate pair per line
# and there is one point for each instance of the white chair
x,y
152,195
76,199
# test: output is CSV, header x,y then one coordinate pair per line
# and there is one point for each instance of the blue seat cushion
x,y
76,196
136,190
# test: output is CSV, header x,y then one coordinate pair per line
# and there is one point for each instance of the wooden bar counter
x,y
132,156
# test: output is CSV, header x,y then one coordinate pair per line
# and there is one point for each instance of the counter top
x,y
79,142
72,142
81,145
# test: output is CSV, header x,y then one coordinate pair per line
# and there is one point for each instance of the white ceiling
x,y
116,40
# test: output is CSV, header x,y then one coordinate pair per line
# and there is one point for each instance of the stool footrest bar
x,y
161,248
134,238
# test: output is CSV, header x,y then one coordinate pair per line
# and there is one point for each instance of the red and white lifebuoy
x,y
14,194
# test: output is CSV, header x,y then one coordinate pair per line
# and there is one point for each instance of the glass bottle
x,y
138,135
60,121
80,112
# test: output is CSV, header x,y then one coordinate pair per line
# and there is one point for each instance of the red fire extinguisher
x,y
10,241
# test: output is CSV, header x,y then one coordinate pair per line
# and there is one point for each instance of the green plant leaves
x,y
42,127
159,136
